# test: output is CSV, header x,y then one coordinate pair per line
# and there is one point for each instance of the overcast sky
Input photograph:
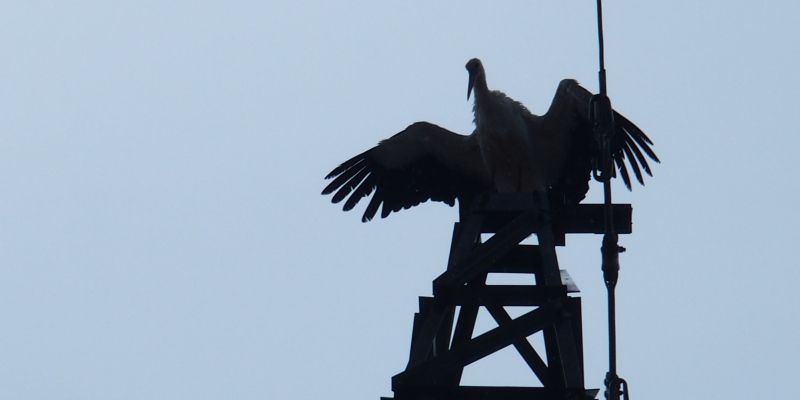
x,y
162,235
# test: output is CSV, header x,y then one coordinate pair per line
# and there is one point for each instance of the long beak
x,y
469,86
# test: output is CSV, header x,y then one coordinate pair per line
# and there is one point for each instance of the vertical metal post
x,y
603,118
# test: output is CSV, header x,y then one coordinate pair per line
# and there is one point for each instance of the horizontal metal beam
x,y
489,393
584,218
504,295
523,258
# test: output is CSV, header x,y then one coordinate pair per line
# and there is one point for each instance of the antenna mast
x,y
603,124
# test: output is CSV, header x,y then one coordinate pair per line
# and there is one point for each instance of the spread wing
x,y
630,146
423,162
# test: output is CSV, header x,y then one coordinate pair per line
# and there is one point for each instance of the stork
x,y
511,150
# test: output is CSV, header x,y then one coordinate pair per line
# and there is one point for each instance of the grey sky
x,y
162,234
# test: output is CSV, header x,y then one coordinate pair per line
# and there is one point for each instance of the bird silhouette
x,y
510,150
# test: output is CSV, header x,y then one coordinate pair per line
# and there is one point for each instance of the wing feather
x,y
636,134
373,205
346,165
640,157
363,190
355,165
351,183
623,171
632,161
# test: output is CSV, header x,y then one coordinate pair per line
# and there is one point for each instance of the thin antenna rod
x,y
602,52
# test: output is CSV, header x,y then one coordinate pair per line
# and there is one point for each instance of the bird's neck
x,y
482,101
481,90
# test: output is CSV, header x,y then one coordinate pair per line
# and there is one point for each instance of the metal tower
x,y
442,341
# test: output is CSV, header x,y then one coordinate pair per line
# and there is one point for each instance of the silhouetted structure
x,y
513,152
439,352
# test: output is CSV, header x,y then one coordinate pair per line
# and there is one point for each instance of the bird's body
x,y
506,148
511,150
521,154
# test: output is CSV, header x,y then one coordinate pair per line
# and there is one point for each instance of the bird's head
x,y
475,70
